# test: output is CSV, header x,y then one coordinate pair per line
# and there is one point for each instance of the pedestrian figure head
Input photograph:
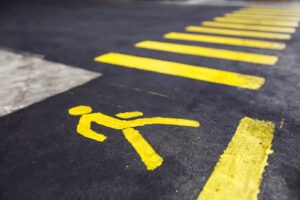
x,y
80,110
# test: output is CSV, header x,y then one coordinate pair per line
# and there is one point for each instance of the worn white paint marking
x,y
26,79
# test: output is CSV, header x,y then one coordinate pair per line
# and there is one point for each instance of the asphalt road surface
x,y
44,156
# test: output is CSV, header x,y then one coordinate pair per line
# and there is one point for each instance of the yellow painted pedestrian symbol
x,y
147,154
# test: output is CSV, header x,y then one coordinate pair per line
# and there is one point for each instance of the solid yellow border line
x,y
255,34
266,13
183,70
209,52
264,17
256,22
238,174
249,27
225,40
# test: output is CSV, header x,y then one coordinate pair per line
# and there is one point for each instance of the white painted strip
x,y
26,79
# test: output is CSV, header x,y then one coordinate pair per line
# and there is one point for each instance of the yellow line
x,y
256,34
225,40
272,10
238,174
274,7
209,52
266,13
257,22
260,17
249,27
147,154
183,70
127,115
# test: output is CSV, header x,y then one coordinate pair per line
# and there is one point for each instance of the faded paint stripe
x,y
257,22
209,52
249,27
238,174
183,70
225,40
255,34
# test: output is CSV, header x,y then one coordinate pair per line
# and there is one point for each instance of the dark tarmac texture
x,y
42,156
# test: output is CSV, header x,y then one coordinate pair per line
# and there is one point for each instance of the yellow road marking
x,y
274,7
209,52
249,27
257,22
264,17
147,154
238,174
256,34
225,40
272,10
266,13
183,70
126,115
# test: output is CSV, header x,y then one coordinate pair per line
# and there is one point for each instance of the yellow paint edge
x,y
183,70
238,174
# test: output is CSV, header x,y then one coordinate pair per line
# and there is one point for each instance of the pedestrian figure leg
x,y
148,155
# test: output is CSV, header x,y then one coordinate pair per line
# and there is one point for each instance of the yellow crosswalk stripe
x,y
255,34
238,174
183,70
266,13
209,52
249,27
275,8
272,10
264,17
257,22
225,40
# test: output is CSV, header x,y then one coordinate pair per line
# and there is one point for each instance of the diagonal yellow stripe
x,y
209,52
266,13
249,27
238,174
147,154
183,70
225,40
264,17
256,34
257,22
